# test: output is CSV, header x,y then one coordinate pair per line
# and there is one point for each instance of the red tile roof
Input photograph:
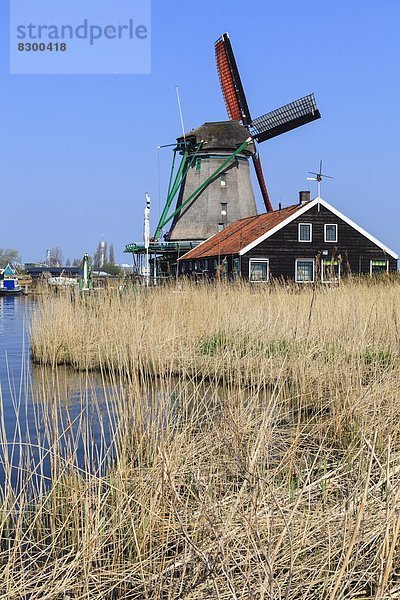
x,y
237,236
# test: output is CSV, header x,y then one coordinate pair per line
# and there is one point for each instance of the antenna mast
x,y
318,178
180,112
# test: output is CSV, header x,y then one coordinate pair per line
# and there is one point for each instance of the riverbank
x,y
274,473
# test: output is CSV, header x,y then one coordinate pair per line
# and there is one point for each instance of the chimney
x,y
304,197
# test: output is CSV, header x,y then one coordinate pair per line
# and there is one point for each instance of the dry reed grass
x,y
263,463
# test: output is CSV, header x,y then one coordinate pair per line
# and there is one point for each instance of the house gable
x,y
301,214
354,251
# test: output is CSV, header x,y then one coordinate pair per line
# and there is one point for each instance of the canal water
x,y
44,410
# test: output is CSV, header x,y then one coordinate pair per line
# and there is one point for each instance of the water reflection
x,y
47,416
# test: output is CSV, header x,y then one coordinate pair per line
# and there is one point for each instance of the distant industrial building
x,y
36,271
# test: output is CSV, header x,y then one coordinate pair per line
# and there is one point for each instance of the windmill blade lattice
x,y
288,117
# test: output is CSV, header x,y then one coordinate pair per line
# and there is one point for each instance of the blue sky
x,y
78,153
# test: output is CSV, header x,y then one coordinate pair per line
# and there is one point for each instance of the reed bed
x,y
252,449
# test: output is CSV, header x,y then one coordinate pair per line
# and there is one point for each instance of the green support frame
x,y
175,183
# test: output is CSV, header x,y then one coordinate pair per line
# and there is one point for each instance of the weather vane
x,y
318,178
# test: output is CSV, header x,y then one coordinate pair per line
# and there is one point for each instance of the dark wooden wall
x,y
283,248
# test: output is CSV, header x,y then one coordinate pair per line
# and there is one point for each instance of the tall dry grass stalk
x,y
262,462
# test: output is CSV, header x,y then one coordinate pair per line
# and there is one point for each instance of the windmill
x,y
318,178
210,185
283,119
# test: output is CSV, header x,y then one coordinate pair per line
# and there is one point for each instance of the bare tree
x,y
9,255
111,256
97,257
100,256
56,257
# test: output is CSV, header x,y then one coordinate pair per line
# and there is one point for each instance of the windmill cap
x,y
221,135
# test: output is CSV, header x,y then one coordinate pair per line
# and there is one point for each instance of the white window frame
x,y
380,260
263,260
295,269
298,233
336,236
322,272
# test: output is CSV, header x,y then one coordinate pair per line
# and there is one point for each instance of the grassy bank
x,y
284,482
323,341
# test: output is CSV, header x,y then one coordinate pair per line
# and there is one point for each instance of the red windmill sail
x,y
276,122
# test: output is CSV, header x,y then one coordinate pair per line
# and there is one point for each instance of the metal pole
x,y
146,237
180,112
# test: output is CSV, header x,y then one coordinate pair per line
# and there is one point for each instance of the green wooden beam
x,y
174,187
207,182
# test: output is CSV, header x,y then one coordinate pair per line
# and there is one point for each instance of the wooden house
x,y
308,242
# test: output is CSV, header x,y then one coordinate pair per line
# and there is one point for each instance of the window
x,y
330,232
379,266
215,264
304,270
196,265
223,180
259,269
220,226
330,270
305,232
224,209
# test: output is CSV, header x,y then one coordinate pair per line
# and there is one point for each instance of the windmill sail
x,y
292,115
297,113
261,181
231,84
235,100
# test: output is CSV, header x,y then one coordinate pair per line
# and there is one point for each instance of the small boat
x,y
62,281
10,286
